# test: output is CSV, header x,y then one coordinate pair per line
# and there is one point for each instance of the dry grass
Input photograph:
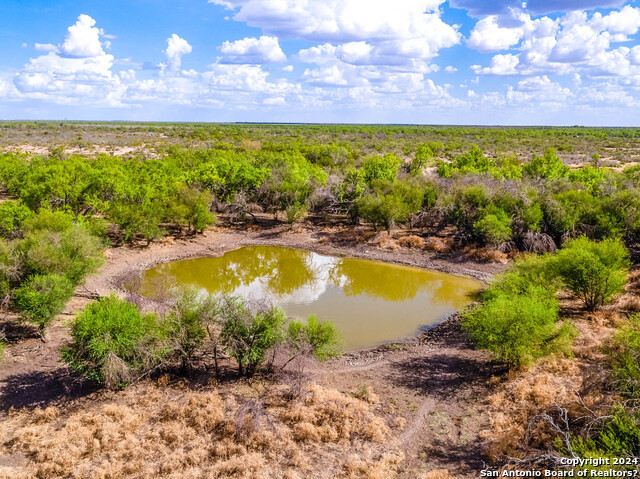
x,y
437,474
148,432
552,381
387,242
486,255
438,245
412,241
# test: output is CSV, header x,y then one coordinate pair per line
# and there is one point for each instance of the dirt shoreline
x,y
216,242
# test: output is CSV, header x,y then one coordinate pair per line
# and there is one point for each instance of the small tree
x,y
192,313
422,158
191,209
42,298
319,338
594,272
248,335
113,343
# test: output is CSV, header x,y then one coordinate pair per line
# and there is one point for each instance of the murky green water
x,y
369,302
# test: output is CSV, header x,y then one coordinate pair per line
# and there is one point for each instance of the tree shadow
x,y
14,330
441,375
467,456
43,388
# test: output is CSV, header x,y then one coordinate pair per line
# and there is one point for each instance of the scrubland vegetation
x,y
560,203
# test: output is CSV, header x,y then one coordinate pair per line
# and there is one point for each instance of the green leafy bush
x,y
594,272
191,209
13,214
548,166
192,314
533,270
73,253
380,168
390,203
113,343
319,338
519,329
42,298
494,228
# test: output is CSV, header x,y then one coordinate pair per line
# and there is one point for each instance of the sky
x,y
502,62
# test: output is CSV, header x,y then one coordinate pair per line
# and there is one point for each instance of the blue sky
x,y
564,62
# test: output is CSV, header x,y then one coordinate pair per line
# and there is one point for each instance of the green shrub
x,y
380,168
47,220
547,166
534,270
594,272
423,156
73,253
42,298
316,337
191,315
494,228
113,343
390,203
518,329
295,212
191,209
247,335
13,214
618,437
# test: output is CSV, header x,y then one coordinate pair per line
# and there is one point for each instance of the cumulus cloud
x,y
480,8
488,36
362,31
574,42
335,20
45,47
500,65
82,39
176,48
77,72
252,50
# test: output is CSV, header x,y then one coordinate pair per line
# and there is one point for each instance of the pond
x,y
370,302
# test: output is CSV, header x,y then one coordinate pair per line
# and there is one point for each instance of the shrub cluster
x,y
492,200
113,343
518,319
45,261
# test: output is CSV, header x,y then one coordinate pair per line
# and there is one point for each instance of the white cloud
x,y
82,39
500,65
571,43
329,76
78,72
625,21
365,31
450,69
252,50
176,48
336,20
45,47
488,36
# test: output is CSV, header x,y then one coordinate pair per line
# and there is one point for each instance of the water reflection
x,y
370,302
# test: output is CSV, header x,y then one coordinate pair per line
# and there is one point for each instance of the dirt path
x,y
437,382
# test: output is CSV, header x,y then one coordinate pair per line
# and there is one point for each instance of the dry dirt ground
x,y
437,382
